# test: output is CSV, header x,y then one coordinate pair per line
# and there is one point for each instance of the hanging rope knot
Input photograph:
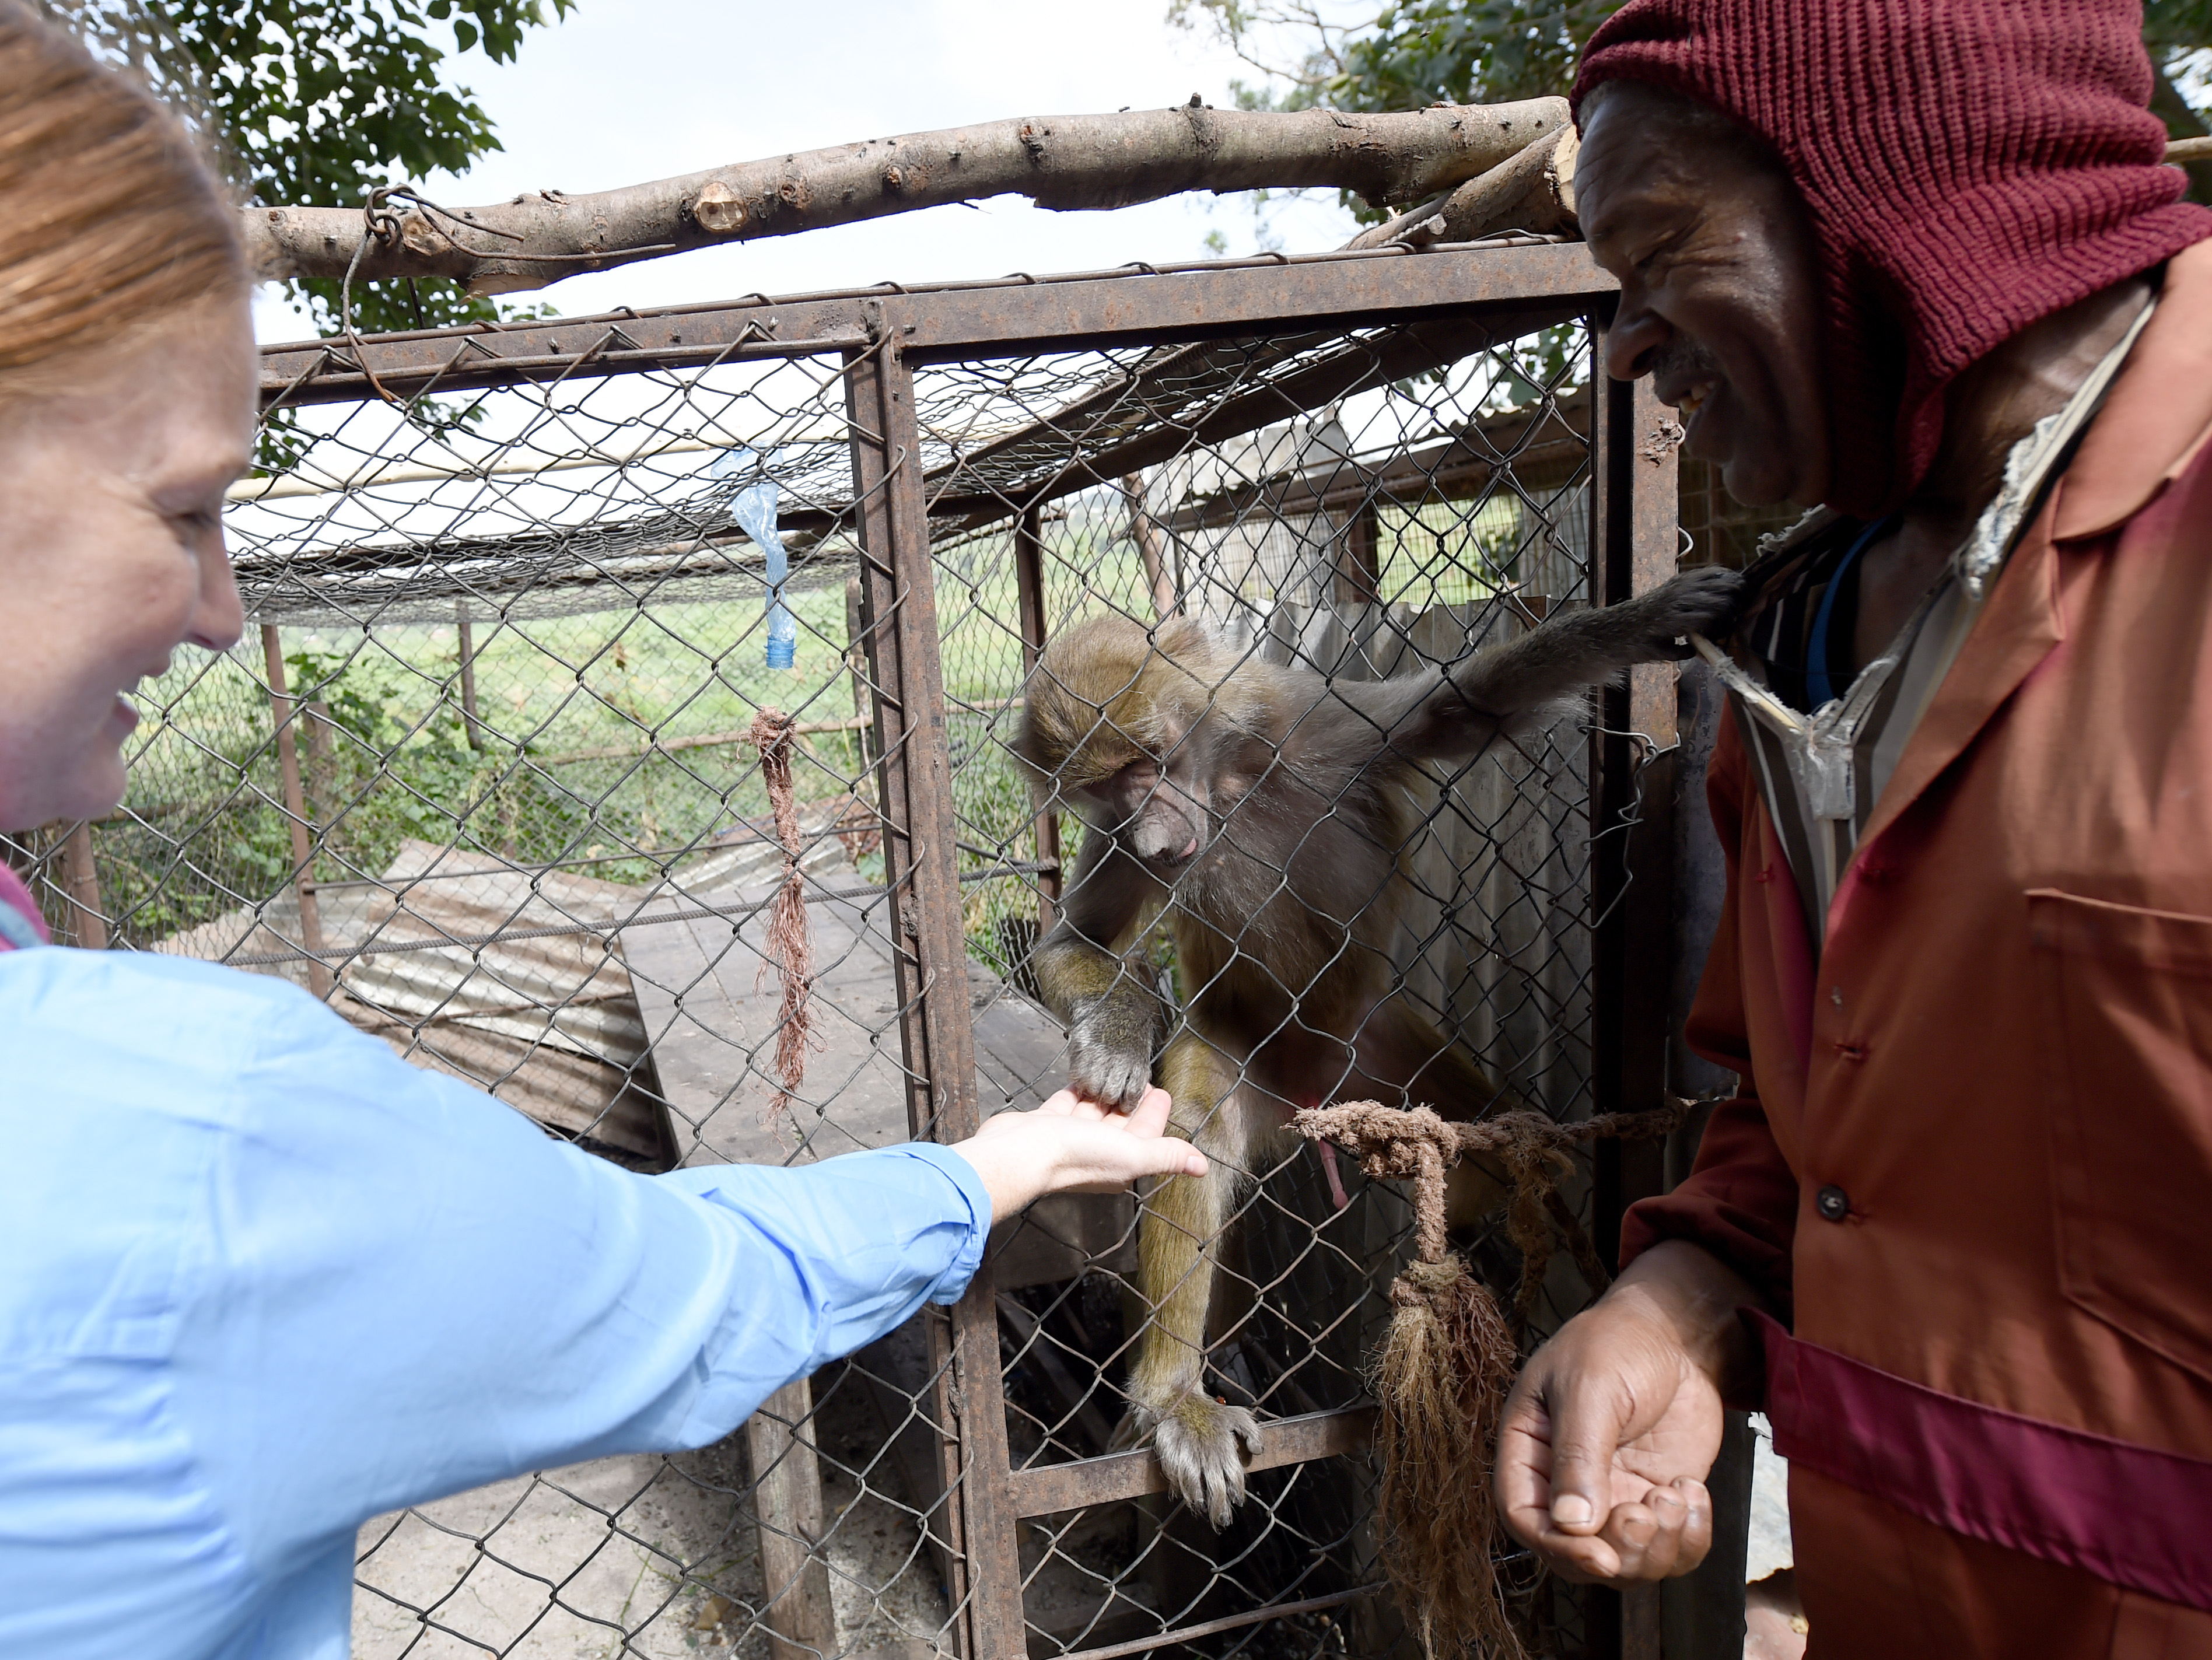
x,y
1440,1376
789,946
1392,1143
1423,1282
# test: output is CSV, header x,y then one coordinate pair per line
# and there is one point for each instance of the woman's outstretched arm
x,y
372,1285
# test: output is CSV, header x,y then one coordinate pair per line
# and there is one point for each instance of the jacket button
x,y
1833,1204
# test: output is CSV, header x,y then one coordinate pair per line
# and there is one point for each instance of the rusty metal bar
x,y
1208,303
921,842
857,663
1051,1488
1029,585
1227,1622
87,924
1537,445
1423,344
285,707
873,461
922,868
980,320
876,457
1634,547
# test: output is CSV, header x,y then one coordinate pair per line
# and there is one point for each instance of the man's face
x,y
1718,298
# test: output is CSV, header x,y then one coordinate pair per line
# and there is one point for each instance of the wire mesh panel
x,y
1411,519
574,648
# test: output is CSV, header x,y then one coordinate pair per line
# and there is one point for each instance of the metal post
x,y
787,1498
1634,548
1028,584
921,869
1703,1611
285,707
862,669
466,644
81,882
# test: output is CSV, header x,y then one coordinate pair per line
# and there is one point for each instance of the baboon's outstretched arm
x,y
1504,690
1084,968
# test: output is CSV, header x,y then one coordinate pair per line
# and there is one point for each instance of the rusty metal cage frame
x,y
1496,292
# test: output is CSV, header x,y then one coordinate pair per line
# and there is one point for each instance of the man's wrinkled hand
x,y
1069,1145
1604,1446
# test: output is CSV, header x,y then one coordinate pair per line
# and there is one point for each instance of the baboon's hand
x,y
1197,1441
1109,1046
1701,601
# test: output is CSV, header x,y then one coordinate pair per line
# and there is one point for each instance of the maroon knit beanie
x,y
1971,165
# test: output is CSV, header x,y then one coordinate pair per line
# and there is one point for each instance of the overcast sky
x,y
627,90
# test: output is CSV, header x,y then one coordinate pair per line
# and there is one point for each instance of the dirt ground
x,y
644,1556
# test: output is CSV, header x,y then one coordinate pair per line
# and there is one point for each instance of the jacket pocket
x,y
2127,1038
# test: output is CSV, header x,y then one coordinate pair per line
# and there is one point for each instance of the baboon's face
x,y
1161,810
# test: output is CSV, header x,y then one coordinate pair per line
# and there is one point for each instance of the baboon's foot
x,y
1196,1440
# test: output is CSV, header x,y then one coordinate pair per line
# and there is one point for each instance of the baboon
x,y
1259,813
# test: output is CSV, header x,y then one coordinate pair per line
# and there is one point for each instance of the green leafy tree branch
x,y
318,102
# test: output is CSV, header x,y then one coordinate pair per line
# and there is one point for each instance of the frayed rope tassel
x,y
1449,1356
1441,1380
789,945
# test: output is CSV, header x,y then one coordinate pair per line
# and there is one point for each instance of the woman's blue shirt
x,y
261,1280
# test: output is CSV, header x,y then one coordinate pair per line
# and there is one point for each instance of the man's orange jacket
x,y
1972,1168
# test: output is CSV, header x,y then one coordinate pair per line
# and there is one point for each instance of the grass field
x,y
576,715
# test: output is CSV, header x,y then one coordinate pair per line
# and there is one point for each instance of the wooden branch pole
x,y
1356,559
1533,190
285,707
466,645
88,922
1159,580
1061,161
787,1499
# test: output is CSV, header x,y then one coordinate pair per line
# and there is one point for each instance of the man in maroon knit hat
x,y
1917,262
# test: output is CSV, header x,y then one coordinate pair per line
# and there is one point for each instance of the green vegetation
x,y
315,102
570,710
385,754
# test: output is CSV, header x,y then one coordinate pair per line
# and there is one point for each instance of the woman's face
x,y
111,549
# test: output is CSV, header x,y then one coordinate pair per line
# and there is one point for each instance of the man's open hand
x,y
1071,1145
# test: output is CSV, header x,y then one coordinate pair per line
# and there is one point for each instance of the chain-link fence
x,y
486,775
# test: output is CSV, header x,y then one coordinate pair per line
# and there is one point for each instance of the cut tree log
x,y
1533,190
1062,162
